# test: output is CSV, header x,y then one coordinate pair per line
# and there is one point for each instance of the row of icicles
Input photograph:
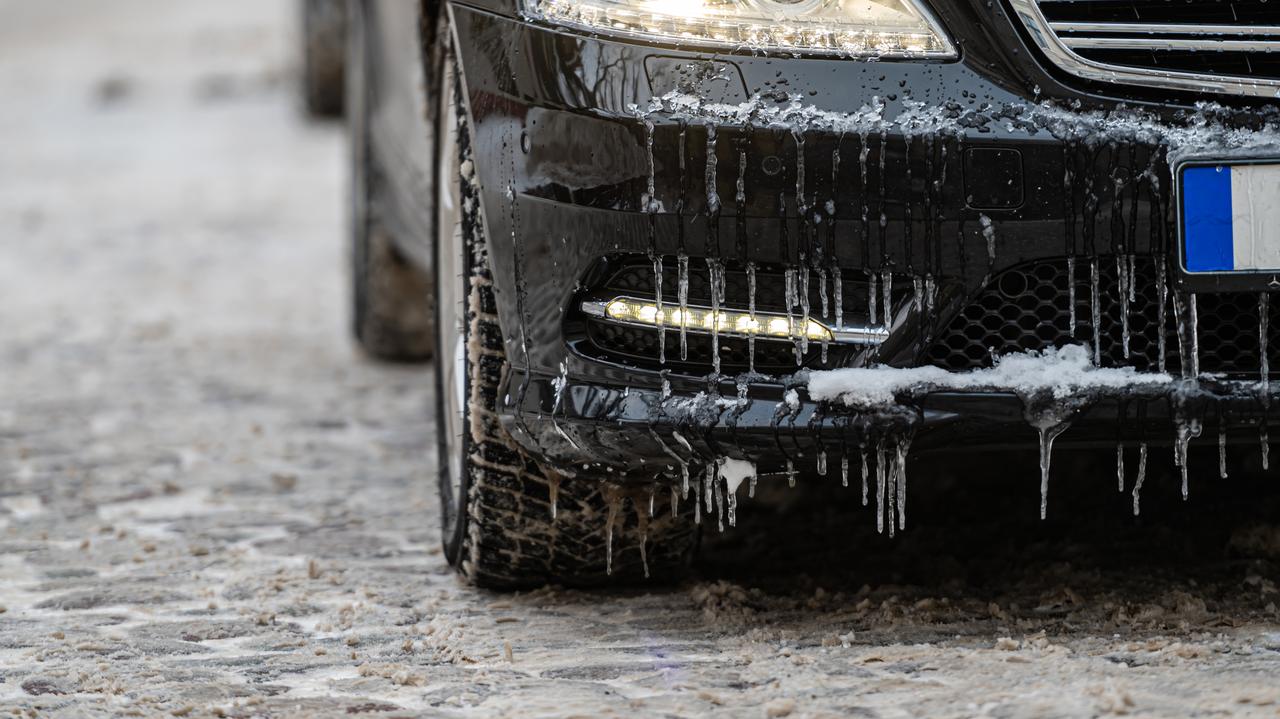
x,y
889,458
885,470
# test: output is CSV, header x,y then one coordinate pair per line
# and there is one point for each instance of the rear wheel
x,y
392,299
508,520
324,37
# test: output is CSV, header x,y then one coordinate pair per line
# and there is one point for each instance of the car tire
x,y
324,36
392,298
509,520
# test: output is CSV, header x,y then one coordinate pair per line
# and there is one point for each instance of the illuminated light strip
x,y
728,323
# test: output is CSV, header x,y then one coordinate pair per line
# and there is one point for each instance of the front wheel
x,y
510,521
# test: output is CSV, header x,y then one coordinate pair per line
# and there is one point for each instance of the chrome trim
x,y
1127,28
842,335
1052,46
1155,43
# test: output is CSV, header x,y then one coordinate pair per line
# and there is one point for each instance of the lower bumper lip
x,y
632,429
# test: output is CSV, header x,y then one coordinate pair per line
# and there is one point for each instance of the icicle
x,y
1095,311
1222,450
881,479
863,152
886,296
1142,475
642,520
789,288
891,494
740,187
708,485
614,499
1180,318
804,309
1264,371
751,488
716,271
797,134
661,316
863,453
1071,293
844,471
713,197
652,490
822,463
822,293
1193,332
553,490
1264,444
872,296
1048,433
649,202
714,505
675,502
917,296
1132,273
697,504
1124,305
751,308
791,474
720,504
884,156
900,469
837,291
930,296
732,494
1162,296
1120,467
1187,429
682,293
826,308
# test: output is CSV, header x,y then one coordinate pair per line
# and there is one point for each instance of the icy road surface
x,y
211,505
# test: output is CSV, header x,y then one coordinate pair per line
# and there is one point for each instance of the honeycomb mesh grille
x,y
1028,308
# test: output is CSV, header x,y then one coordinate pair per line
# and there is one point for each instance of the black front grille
x,y
1199,12
1241,64
1236,41
1028,308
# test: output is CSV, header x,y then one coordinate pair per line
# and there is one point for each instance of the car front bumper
x,y
958,172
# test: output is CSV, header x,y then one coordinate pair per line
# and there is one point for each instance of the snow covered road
x,y
211,505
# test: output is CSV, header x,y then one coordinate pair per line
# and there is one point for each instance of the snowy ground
x,y
210,504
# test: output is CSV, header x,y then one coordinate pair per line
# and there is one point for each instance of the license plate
x,y
1230,217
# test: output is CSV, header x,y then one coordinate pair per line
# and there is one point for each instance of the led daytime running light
x,y
725,322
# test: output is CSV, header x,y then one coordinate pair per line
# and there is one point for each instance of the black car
x,y
678,246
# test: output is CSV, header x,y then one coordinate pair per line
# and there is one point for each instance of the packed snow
x,y
1063,372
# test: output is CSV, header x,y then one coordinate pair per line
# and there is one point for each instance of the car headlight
x,y
861,28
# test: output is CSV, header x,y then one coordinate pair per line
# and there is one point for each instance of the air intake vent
x,y
1219,46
